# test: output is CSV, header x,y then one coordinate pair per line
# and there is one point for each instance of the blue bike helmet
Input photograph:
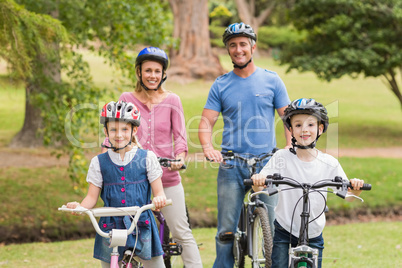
x,y
153,54
238,29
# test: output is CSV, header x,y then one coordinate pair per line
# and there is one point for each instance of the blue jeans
x,y
280,250
231,192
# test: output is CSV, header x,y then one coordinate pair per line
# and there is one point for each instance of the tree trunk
x,y
393,84
194,59
44,69
247,13
28,135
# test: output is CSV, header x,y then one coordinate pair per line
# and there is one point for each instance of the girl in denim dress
x,y
125,176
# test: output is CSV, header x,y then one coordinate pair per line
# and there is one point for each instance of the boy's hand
x,y
258,180
357,184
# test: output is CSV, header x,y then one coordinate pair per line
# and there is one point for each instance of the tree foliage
x,y
53,34
24,35
348,37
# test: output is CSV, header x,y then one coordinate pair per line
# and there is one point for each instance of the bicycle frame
x,y
118,237
244,238
170,247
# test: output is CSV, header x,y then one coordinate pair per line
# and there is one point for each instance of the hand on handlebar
x,y
159,202
258,182
176,165
357,184
213,155
73,205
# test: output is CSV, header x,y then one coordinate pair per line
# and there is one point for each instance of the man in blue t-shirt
x,y
247,97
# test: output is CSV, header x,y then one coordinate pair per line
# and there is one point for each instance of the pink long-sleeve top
x,y
162,131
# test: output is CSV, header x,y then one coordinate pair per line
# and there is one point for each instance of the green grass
x,y
30,196
346,246
12,114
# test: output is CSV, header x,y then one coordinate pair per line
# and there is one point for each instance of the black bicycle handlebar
x,y
166,162
230,155
337,182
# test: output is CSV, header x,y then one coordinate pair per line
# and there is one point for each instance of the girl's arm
x,y
90,199
159,199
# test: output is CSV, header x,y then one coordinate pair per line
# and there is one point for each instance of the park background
x,y
366,128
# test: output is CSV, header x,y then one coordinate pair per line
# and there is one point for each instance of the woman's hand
x,y
177,165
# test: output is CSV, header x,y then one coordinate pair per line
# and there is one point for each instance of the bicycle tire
x,y
238,251
262,239
166,241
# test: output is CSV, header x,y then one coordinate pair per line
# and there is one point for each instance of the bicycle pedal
x,y
172,249
228,236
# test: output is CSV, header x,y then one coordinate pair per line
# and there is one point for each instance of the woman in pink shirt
x,y
163,131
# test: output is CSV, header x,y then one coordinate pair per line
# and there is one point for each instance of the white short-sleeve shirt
x,y
287,164
154,170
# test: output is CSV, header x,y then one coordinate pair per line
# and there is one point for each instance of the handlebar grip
x,y
168,202
248,182
366,187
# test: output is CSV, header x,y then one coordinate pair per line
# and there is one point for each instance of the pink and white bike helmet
x,y
120,111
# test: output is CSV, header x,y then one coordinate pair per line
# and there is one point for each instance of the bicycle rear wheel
x,y
262,239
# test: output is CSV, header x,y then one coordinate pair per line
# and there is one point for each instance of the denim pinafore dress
x,y
125,186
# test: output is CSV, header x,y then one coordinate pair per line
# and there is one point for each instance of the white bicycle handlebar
x,y
112,212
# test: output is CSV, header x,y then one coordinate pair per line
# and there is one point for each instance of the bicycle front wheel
x,y
262,239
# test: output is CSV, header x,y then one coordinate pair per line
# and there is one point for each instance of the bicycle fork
x,y
299,256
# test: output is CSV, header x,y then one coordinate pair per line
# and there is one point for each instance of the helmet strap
x,y
310,146
243,66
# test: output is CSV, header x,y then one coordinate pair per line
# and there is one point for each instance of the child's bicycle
x,y
169,245
118,237
303,255
253,235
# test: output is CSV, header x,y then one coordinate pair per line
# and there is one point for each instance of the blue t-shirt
x,y
248,109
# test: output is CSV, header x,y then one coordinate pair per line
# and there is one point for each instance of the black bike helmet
x,y
153,54
306,106
238,29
